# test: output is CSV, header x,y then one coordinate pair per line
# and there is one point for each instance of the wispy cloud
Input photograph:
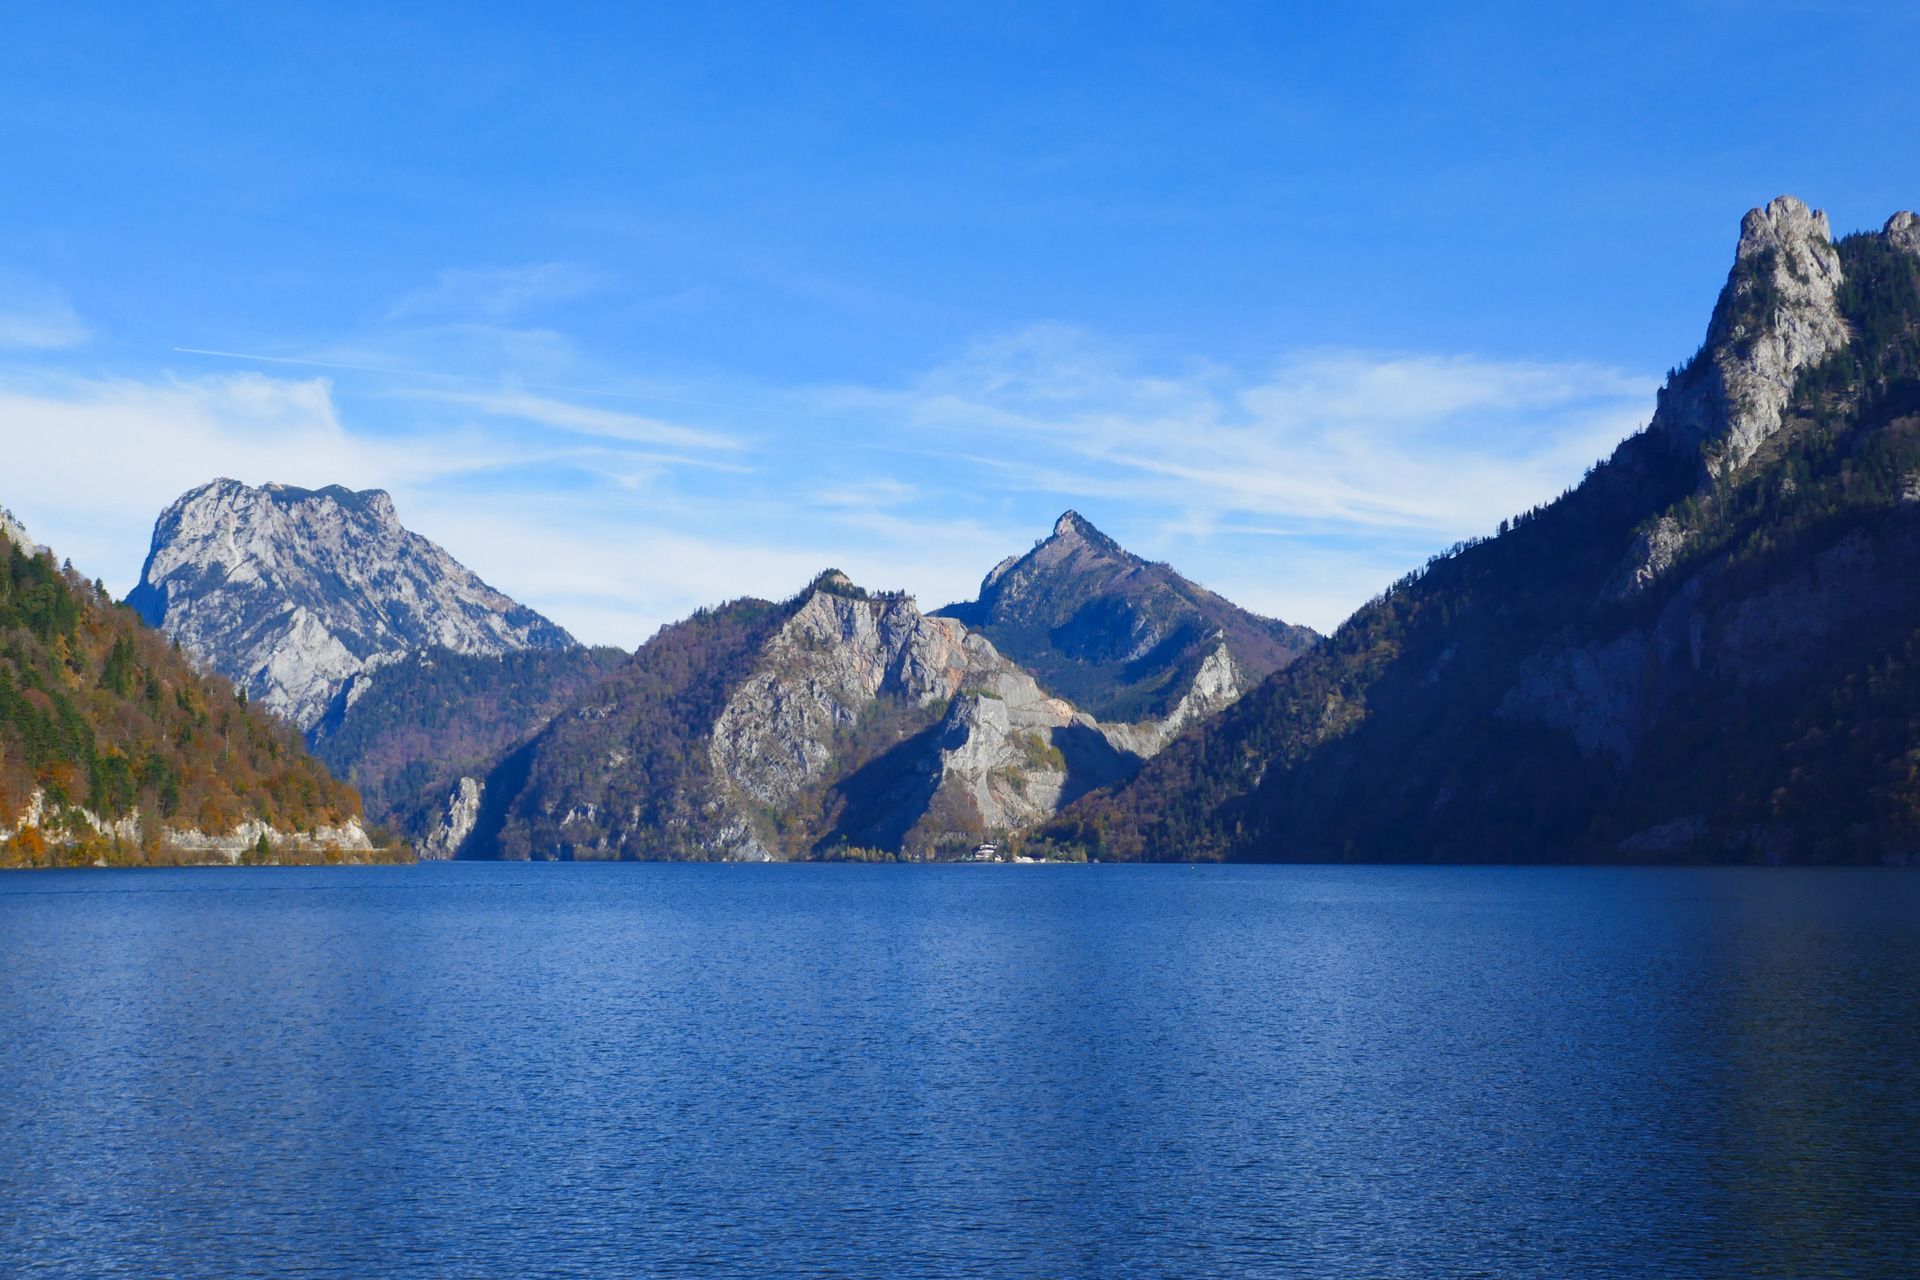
x,y
1297,488
497,293
1352,439
106,455
37,317
611,424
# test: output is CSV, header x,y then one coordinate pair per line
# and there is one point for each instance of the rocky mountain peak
x,y
1903,229
1784,223
289,592
1072,524
1120,636
376,505
1073,531
1777,315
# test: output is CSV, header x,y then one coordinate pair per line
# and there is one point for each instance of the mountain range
x,y
1703,651
839,722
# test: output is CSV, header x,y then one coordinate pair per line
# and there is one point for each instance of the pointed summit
x,y
1074,530
1119,636
1777,316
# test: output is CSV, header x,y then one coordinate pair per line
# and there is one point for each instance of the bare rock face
x,y
831,664
11,530
998,757
1903,229
1654,550
1777,316
291,592
456,824
60,823
834,656
1216,685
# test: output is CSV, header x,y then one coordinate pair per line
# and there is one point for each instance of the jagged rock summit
x,y
1121,637
291,592
1778,316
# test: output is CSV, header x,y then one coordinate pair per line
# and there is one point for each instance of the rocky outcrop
x,y
1653,552
1903,230
845,659
47,824
1215,686
835,656
1123,638
291,592
246,838
456,822
11,530
62,822
1777,316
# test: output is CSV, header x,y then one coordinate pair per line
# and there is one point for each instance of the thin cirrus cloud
x,y
146,441
1297,488
611,424
36,317
497,293
1350,443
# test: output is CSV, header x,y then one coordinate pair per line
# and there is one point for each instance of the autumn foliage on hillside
x,y
99,712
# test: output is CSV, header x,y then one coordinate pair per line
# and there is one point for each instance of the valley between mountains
x,y
1707,650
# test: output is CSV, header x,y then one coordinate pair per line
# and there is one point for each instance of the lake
x,y
505,1070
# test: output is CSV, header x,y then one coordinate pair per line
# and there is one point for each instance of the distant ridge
x,y
1118,635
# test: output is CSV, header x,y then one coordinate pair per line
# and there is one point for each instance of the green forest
x,y
98,712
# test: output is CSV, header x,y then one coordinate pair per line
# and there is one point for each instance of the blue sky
x,y
638,308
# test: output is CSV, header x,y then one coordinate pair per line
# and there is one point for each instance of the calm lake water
x,y
993,1071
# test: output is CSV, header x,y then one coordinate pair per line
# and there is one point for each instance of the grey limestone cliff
x,y
292,592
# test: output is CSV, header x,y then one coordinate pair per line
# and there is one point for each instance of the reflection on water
x,y
502,1070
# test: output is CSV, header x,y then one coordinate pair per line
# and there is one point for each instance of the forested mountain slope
x,y
114,748
403,735
836,722
1706,651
